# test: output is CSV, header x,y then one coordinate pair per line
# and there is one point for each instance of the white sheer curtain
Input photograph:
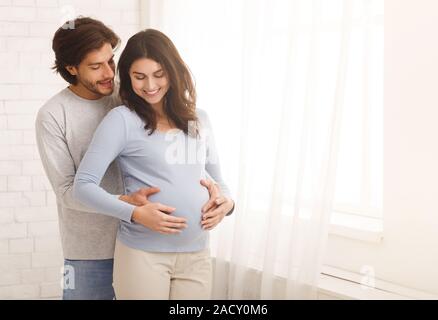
x,y
272,75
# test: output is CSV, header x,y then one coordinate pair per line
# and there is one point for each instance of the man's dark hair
x,y
75,39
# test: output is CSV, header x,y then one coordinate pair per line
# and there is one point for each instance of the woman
x,y
161,140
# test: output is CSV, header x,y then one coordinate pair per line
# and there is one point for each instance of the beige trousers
x,y
161,275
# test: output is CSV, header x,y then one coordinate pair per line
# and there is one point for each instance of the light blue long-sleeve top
x,y
172,161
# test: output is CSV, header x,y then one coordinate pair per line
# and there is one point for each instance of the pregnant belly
x,y
188,199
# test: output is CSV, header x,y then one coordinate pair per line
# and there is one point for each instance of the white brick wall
x,y
30,249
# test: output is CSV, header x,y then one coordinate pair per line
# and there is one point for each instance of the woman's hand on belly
x,y
187,197
214,216
156,217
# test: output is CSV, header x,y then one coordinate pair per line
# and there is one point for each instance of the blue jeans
x,y
88,280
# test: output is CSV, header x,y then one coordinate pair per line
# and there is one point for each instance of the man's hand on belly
x,y
140,197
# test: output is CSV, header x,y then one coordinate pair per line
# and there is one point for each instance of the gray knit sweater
x,y
64,128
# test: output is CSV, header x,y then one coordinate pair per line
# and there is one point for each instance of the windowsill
x,y
335,283
347,290
343,284
356,227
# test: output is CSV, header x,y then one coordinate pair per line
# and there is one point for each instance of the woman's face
x,y
149,80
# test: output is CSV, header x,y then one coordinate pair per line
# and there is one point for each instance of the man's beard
x,y
93,87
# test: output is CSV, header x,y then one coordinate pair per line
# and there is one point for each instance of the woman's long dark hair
x,y
180,100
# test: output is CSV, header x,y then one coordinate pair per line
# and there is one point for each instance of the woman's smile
x,y
153,93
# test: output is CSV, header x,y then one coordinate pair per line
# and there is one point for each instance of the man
x,y
64,129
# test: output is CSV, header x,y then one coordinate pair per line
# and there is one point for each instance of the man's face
x,y
95,73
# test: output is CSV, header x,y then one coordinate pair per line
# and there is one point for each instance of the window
x,y
211,39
